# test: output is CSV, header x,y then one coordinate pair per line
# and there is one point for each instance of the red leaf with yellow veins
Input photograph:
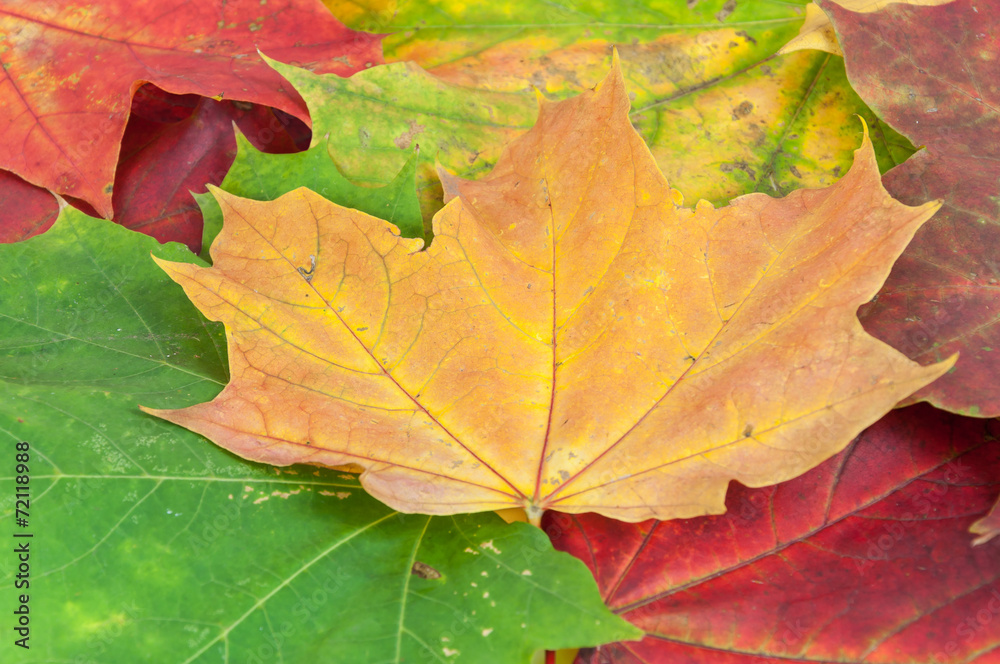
x,y
865,558
571,339
173,145
69,73
932,74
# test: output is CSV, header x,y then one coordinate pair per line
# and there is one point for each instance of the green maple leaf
x,y
151,544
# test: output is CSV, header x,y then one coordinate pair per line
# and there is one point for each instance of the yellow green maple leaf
x,y
721,113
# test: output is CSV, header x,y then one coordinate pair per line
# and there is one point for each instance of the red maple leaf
x,y
69,73
933,73
866,558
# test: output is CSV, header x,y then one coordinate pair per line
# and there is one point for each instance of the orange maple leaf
x,y
572,338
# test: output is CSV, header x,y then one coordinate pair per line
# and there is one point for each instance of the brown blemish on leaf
x,y
425,571
743,110
308,274
404,140
726,11
738,165
336,494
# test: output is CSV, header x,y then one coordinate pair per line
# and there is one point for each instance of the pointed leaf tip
x,y
864,155
615,78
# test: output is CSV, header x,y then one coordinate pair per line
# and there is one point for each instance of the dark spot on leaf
x,y
738,165
743,110
751,40
308,274
795,171
726,10
404,140
748,431
425,571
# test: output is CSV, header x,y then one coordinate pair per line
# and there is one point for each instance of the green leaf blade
x,y
150,544
265,177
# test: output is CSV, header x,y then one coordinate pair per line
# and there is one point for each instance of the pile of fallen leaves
x,y
666,280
